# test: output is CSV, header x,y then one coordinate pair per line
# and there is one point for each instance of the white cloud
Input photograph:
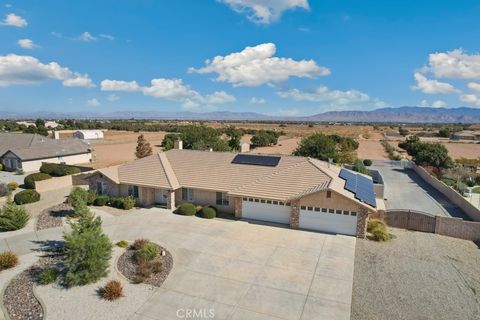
x,y
106,36
435,104
93,102
170,89
113,97
87,37
25,70
432,86
26,44
474,86
334,99
255,100
13,20
255,66
116,85
455,64
265,11
56,34
471,99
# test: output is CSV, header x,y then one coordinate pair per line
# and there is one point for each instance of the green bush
x,y
101,200
209,212
26,196
12,186
358,166
122,244
78,196
367,162
187,209
476,190
147,252
58,170
125,203
139,243
13,217
29,180
91,198
48,275
1,167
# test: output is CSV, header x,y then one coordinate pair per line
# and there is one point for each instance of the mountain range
x,y
384,115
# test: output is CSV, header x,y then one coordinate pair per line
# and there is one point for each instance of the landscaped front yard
x,y
416,276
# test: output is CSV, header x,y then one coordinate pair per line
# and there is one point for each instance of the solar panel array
x,y
360,185
257,160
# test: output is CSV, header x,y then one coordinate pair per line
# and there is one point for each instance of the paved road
x,y
242,270
405,189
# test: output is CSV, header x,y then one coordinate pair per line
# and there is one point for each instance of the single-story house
x,y
302,192
466,135
88,134
27,151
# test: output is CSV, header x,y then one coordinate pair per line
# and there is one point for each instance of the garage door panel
x,y
328,222
266,212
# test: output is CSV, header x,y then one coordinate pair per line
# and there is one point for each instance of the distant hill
x,y
395,115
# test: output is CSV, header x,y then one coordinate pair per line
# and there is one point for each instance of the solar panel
x,y
360,185
256,160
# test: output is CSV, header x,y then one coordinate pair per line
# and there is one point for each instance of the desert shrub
x,y
125,203
13,217
77,197
48,275
156,266
26,196
138,279
58,170
113,290
367,162
209,212
87,250
143,269
4,190
147,252
122,244
378,229
139,243
12,186
101,200
29,180
187,209
374,223
8,260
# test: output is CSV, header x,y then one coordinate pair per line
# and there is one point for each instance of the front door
x,y
161,196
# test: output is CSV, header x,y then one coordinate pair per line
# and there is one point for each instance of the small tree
x,y
234,136
87,250
143,148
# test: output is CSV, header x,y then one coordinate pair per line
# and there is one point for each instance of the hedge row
x,y
189,209
58,170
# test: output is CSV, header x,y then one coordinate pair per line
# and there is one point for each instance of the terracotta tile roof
x,y
148,171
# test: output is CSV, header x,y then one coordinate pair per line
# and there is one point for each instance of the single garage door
x,y
328,220
266,210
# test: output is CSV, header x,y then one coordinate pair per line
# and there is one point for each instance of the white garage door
x,y
333,221
273,211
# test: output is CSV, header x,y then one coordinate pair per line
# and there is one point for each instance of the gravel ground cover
x,y
126,265
416,276
52,217
19,299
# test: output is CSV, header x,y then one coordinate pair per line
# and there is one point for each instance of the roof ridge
x,y
169,173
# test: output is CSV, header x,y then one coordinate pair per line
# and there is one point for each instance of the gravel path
x,y
126,265
53,216
416,276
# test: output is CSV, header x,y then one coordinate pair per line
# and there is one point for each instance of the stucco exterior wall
x,y
34,165
206,197
336,201
53,183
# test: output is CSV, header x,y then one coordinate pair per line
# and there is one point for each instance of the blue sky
x,y
282,57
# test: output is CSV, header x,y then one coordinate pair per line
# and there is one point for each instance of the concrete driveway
x,y
234,269
405,189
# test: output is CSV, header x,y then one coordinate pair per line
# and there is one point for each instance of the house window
x,y
256,200
187,194
303,208
353,213
310,208
262,201
338,212
269,201
345,213
99,187
331,211
324,209
275,202
222,199
329,194
133,191
317,209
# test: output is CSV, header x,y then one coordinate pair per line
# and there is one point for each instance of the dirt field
x,y
119,147
465,150
371,149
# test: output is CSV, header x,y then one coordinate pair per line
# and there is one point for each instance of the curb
x,y
42,304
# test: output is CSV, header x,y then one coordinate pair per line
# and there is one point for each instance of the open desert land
x,y
458,150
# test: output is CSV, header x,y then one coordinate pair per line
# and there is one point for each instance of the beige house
x,y
301,192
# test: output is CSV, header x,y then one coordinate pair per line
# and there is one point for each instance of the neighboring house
x,y
28,151
302,192
88,134
466,135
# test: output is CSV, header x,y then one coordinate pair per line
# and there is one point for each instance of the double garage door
x,y
324,220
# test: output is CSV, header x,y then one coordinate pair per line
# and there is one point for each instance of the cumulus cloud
x,y
435,104
26,44
170,89
265,11
432,86
471,99
474,86
455,64
25,70
93,102
334,99
255,66
13,20
106,36
255,100
87,37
